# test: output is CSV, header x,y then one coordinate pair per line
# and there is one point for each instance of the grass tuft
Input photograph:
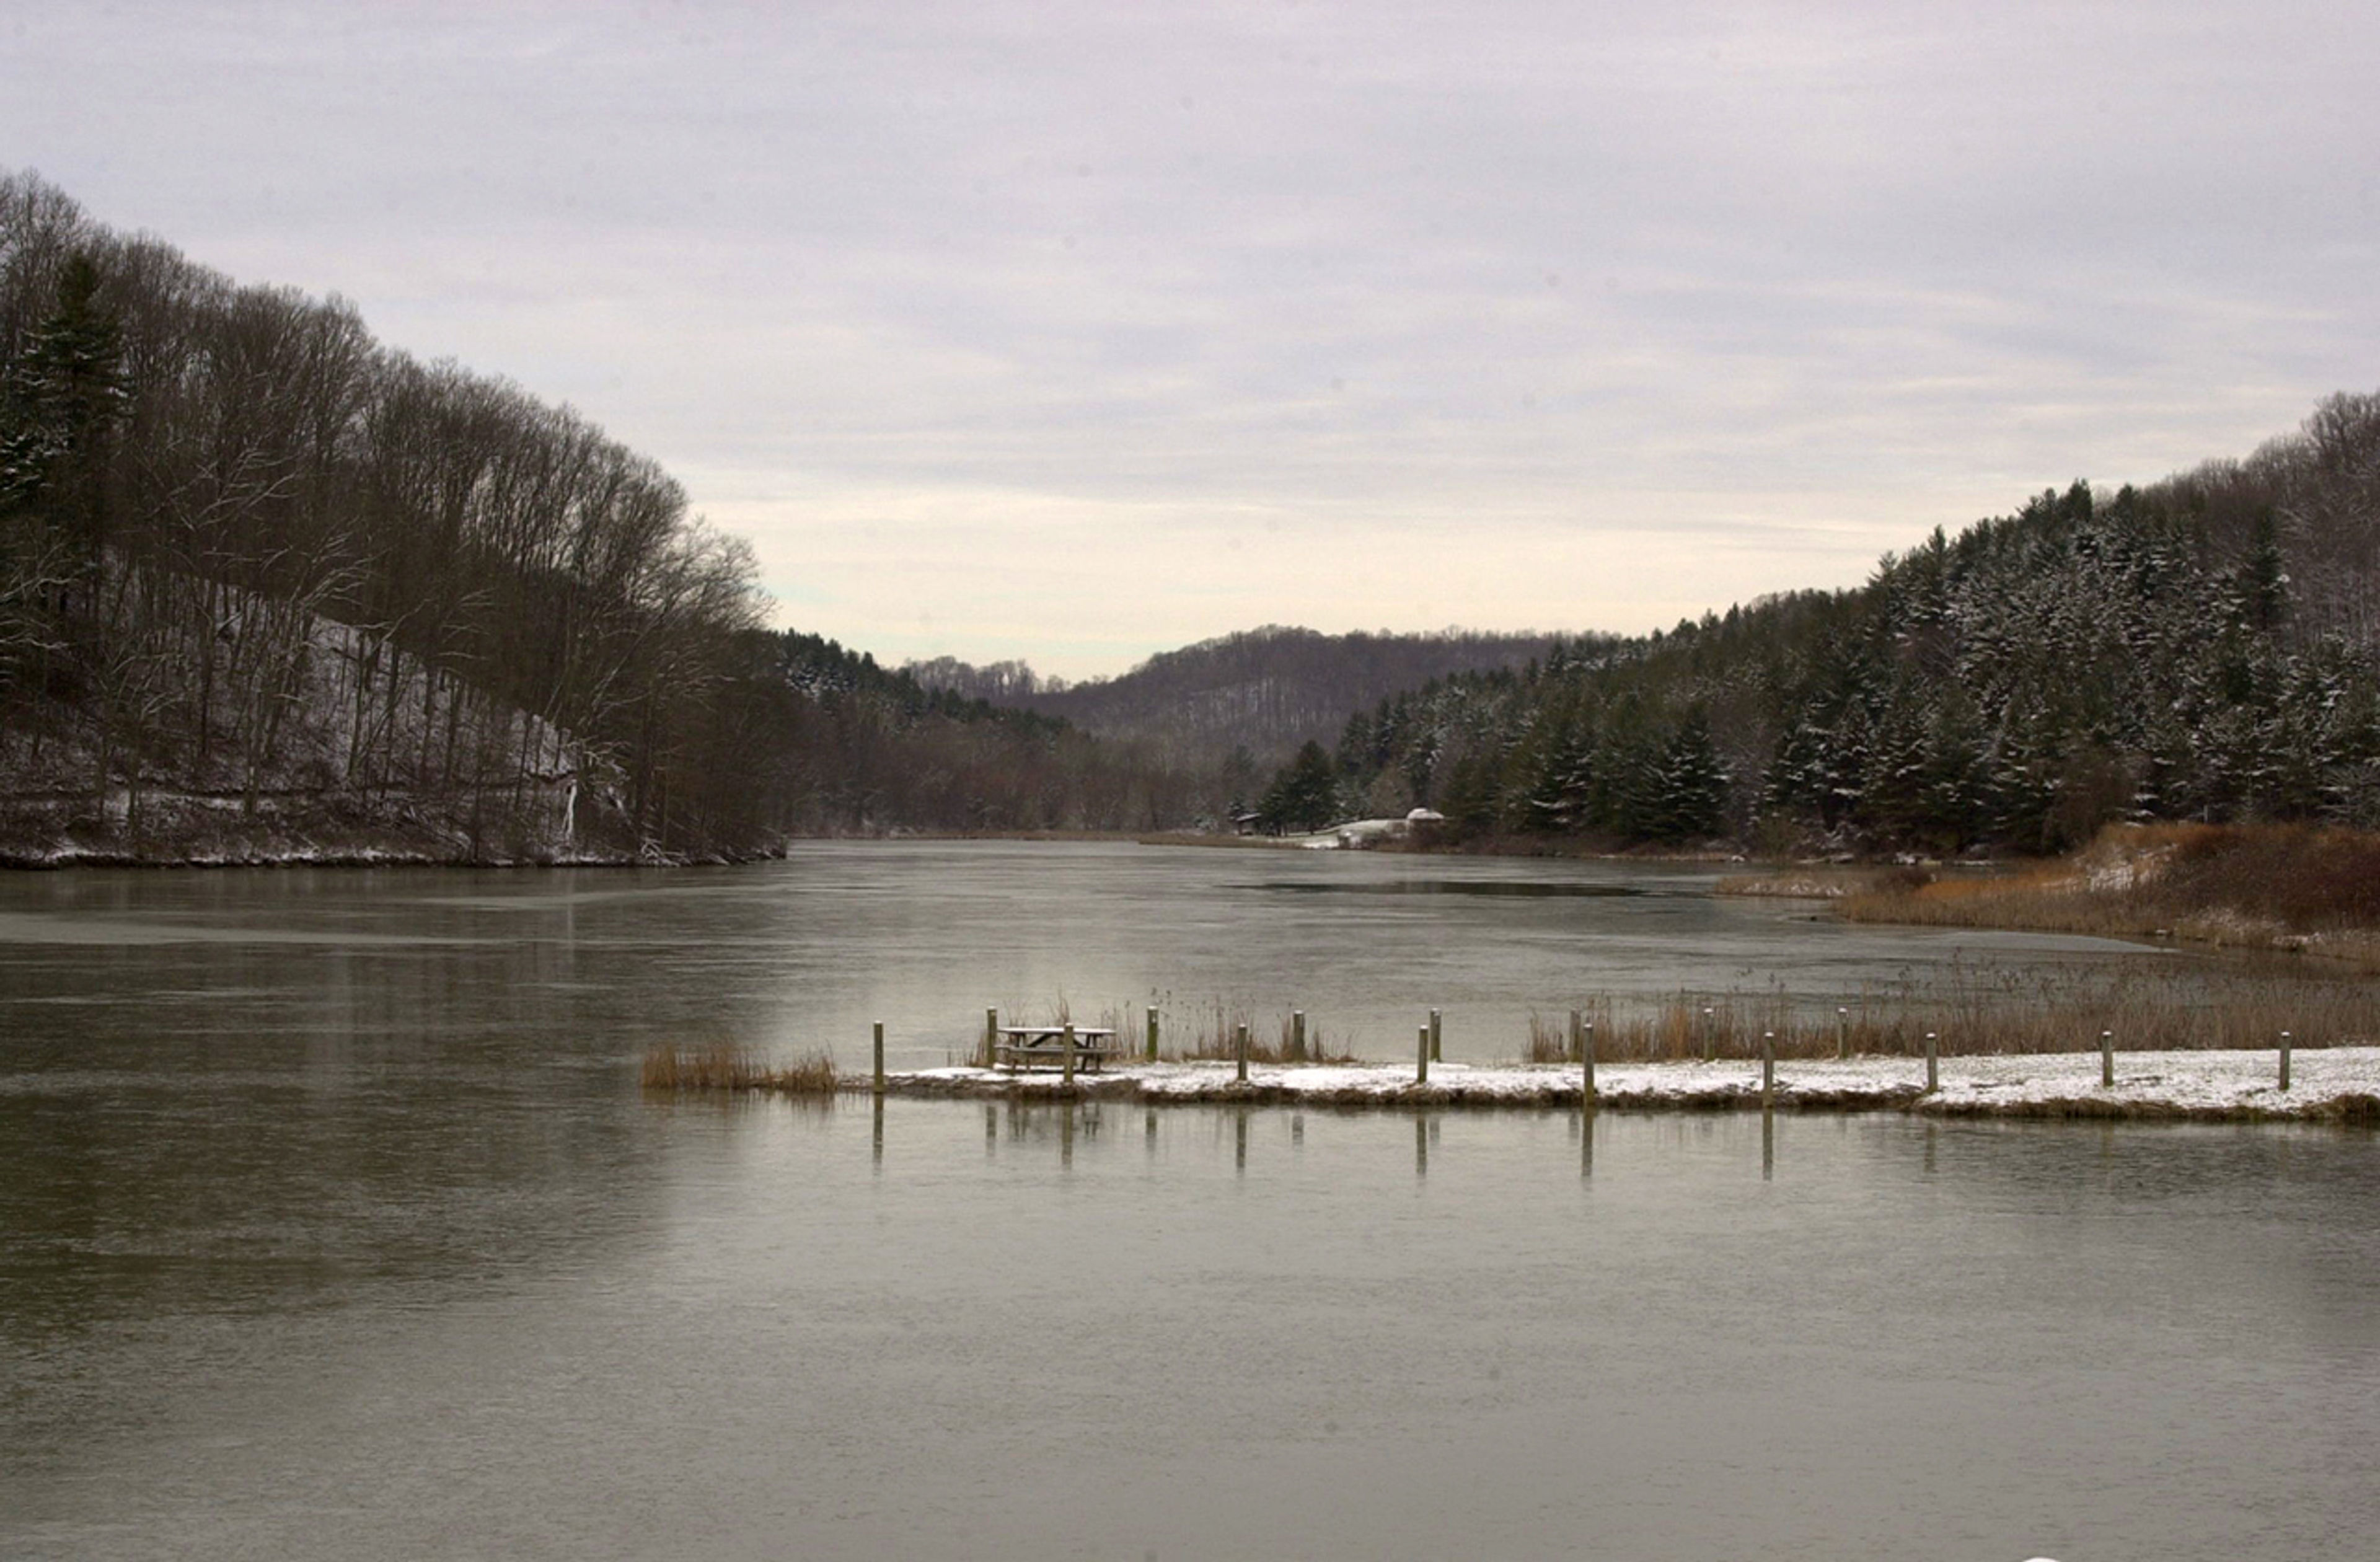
x,y
2297,888
1213,1033
1991,1011
1548,1041
728,1067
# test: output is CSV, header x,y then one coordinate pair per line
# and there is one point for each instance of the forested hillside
x,y
269,586
840,745
2202,647
263,578
1265,690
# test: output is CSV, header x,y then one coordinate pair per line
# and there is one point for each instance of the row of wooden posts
x,y
1430,1040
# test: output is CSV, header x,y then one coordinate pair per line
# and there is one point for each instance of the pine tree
x,y
1305,795
1563,798
58,413
2263,582
1694,781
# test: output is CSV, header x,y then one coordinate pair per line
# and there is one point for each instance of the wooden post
x,y
1933,1078
2285,1060
1152,1032
1070,1059
991,1038
1587,1060
2107,1060
1298,1035
1710,1041
879,1057
1842,1032
1768,1070
1421,1063
1239,1050
1434,1055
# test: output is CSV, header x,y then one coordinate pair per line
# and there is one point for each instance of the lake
x,y
337,1226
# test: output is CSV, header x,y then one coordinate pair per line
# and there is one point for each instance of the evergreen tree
x,y
1562,798
1305,795
1693,782
58,412
2263,580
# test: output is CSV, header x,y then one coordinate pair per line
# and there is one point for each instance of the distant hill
x,y
1267,690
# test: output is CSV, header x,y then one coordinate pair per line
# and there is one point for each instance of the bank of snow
x,y
2336,1084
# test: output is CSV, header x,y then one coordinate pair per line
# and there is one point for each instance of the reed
x,y
1548,1041
1990,1011
726,1066
2299,888
1209,1034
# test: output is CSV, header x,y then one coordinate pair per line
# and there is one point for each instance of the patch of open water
x,y
369,1248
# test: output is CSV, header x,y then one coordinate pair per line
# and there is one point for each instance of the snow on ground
x,y
1354,835
2327,1082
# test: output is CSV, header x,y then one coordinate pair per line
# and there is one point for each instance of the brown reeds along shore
x,y
1987,1011
2297,888
723,1066
2285,1081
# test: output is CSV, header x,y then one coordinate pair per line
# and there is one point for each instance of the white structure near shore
x,y
1357,834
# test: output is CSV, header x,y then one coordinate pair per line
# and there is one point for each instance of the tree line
x,y
202,484
2206,647
249,554
247,551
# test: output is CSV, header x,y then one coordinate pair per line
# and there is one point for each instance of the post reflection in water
x,y
1421,1145
1041,1122
1148,1131
1240,1139
877,1152
1767,1146
1583,1128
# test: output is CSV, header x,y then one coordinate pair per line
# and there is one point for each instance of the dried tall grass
x,y
1214,1033
2299,888
1548,1043
726,1066
1987,1012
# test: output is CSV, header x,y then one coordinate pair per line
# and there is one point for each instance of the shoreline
x,y
68,859
2338,1085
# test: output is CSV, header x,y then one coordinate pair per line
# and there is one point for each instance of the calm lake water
x,y
334,1226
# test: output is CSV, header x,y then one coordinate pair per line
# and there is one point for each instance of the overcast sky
x,y
1072,333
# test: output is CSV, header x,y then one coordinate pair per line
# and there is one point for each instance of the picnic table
x,y
1044,1046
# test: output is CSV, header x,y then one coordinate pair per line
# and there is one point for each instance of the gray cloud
x,y
1200,316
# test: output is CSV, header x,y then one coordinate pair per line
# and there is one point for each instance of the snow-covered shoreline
x,y
2328,1084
